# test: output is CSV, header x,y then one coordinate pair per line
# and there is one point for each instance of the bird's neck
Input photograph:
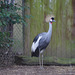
x,y
50,29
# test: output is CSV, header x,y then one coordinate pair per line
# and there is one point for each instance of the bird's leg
x,y
39,58
42,60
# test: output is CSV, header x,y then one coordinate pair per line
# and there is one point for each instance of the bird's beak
x,y
53,21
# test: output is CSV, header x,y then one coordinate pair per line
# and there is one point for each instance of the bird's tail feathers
x,y
35,54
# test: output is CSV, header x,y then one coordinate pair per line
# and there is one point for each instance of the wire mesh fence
x,y
9,42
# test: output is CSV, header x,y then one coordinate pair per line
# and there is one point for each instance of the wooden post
x,y
73,27
26,28
23,27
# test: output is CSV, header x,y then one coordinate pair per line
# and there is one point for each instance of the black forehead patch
x,y
52,18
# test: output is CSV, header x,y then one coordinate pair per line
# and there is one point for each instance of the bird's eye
x,y
52,18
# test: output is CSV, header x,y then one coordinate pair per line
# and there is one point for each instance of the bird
x,y
41,41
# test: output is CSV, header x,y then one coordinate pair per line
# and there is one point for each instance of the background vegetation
x,y
24,29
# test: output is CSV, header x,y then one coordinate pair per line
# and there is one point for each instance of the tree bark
x,y
26,29
23,27
73,27
10,26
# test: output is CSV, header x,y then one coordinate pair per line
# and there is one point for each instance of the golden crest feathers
x,y
47,19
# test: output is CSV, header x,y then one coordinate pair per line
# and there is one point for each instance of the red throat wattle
x,y
51,22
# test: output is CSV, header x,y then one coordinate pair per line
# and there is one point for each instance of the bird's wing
x,y
36,38
35,43
43,43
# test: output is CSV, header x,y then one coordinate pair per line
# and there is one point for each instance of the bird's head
x,y
50,18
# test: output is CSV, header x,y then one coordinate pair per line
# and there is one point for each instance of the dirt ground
x,y
36,70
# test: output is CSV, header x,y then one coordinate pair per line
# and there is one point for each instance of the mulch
x,y
36,70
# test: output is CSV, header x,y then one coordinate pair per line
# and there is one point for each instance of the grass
x,y
47,61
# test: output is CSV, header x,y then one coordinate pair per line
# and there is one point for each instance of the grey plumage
x,y
41,41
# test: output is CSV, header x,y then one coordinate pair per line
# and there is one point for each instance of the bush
x,y
8,17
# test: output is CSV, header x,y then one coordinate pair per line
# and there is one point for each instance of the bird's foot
x,y
41,67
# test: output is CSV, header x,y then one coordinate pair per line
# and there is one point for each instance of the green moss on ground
x,y
24,60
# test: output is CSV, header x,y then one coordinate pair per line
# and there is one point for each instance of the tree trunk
x,y
26,29
10,26
73,27
23,14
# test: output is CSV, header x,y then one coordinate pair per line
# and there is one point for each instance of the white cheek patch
x,y
51,20
35,44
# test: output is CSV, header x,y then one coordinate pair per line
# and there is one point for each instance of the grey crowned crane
x,y
41,41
